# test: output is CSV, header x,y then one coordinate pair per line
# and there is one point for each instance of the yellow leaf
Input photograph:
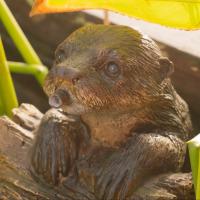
x,y
183,14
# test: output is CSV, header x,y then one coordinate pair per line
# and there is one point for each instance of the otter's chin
x,y
74,109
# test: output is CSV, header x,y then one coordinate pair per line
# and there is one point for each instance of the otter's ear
x,y
166,67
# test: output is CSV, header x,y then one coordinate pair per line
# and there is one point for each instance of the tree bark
x,y
16,182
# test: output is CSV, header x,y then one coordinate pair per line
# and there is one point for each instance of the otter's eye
x,y
60,57
112,69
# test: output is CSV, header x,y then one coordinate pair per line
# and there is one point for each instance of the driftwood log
x,y
16,182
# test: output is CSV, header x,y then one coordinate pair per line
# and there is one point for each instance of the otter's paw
x,y
54,150
113,182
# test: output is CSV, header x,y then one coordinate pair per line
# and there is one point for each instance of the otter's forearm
x,y
143,156
59,139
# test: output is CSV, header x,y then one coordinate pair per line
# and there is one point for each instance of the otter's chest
x,y
110,131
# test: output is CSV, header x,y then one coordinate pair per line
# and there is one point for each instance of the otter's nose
x,y
59,98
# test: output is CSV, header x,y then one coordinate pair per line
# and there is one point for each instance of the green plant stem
x,y
7,91
194,153
38,71
1,107
18,36
198,178
30,2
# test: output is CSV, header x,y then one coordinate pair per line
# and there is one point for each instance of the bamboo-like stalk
x,y
39,71
194,152
106,17
198,178
1,107
7,91
30,2
18,37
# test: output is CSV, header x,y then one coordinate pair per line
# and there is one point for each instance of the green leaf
x,y
183,14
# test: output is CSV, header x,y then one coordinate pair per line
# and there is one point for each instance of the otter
x,y
117,121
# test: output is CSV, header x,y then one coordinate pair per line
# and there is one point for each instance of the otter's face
x,y
105,67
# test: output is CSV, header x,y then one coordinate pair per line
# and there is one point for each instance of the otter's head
x,y
105,67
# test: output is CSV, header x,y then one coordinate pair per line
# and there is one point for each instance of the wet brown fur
x,y
121,130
